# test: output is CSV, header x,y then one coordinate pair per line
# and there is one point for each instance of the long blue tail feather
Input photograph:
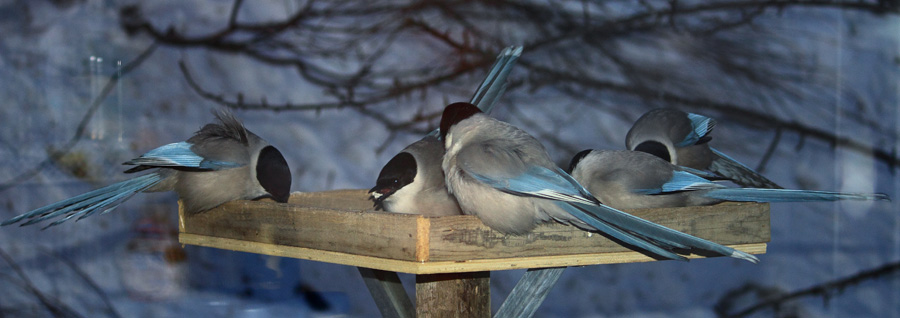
x,y
619,234
90,210
788,195
658,232
494,84
738,172
89,203
97,198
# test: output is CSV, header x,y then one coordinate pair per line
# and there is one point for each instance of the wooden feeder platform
x,y
451,256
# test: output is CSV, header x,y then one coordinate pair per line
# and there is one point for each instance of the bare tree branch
x,y
264,105
558,35
110,309
826,290
761,167
744,114
54,306
548,136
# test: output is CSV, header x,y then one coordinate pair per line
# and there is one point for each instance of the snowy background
x,y
826,68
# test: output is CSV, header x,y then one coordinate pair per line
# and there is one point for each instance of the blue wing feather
x,y
541,182
681,181
179,154
700,127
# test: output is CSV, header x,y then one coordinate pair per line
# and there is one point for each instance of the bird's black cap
x,y
455,113
273,174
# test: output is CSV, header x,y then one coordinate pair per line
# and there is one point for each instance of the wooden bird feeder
x,y
451,256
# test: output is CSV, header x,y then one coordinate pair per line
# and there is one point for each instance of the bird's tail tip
x,y
745,256
512,50
517,50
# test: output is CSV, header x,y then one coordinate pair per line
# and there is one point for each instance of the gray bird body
x,y
204,190
612,176
626,179
483,145
220,163
681,138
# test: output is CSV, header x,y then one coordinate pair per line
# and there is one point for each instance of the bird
x,y
626,179
412,181
682,138
221,162
504,176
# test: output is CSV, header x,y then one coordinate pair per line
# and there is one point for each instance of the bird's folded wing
x,y
179,154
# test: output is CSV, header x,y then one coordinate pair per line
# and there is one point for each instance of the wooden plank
x,y
453,295
388,293
529,293
465,237
357,232
431,267
354,200
312,226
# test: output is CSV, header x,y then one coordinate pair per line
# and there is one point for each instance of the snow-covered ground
x,y
56,57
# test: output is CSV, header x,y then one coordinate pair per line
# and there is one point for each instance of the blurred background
x,y
805,91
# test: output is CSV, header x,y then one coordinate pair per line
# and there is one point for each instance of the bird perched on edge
x,y
682,139
626,179
505,177
412,181
220,163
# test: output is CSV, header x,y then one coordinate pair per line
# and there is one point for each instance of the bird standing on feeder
x,y
220,163
626,179
682,139
505,177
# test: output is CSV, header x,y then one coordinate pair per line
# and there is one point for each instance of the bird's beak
x,y
378,195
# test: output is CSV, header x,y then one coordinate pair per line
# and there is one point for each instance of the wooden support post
x,y
453,295
524,300
388,292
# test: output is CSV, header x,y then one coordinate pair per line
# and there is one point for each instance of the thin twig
x,y
647,19
240,104
825,290
232,20
761,167
110,309
345,103
54,306
542,134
